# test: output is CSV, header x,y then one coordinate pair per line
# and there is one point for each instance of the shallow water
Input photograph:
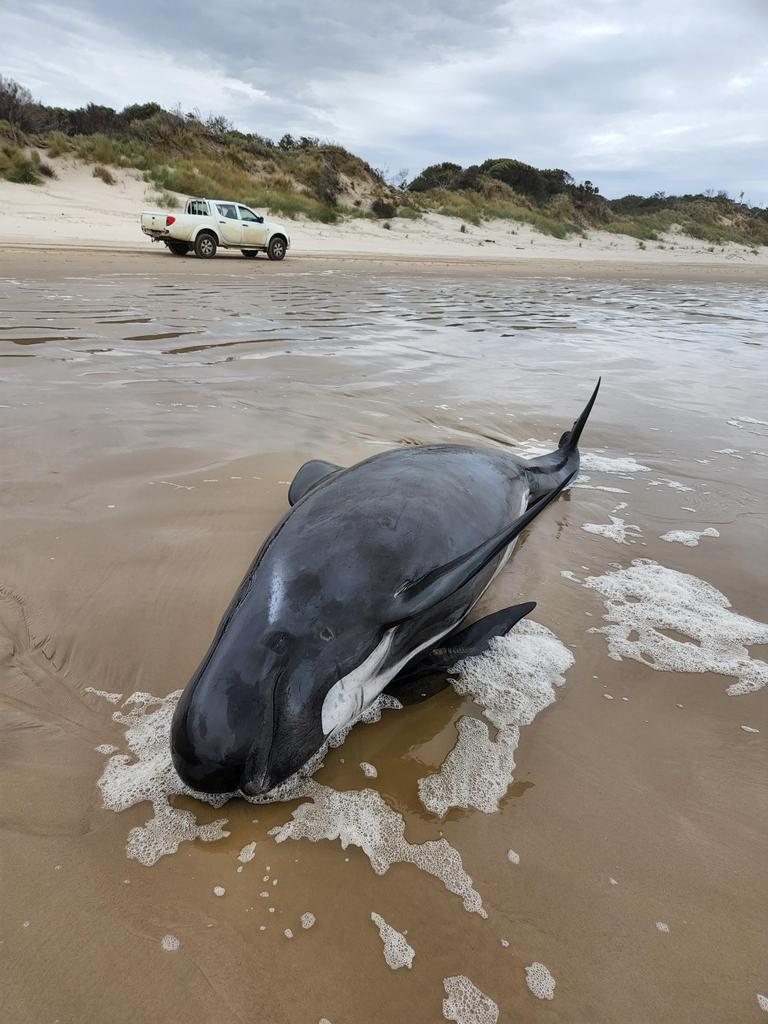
x,y
150,432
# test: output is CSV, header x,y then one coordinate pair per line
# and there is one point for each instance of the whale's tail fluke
x,y
570,438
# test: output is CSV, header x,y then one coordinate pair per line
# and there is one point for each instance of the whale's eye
x,y
326,633
277,641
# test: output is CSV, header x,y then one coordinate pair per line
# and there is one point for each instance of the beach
x,y
154,411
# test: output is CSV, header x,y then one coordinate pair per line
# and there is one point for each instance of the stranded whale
x,y
359,588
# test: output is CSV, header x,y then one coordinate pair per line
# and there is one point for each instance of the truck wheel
x,y
277,248
205,245
178,248
250,254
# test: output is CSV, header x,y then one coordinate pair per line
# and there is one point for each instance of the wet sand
x,y
153,413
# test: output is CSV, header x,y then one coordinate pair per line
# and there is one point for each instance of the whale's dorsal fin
x,y
416,596
310,474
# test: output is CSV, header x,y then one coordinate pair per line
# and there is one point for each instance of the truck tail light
x,y
169,220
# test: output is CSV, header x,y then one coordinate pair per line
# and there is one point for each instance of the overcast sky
x,y
636,95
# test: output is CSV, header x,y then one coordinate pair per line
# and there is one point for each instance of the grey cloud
x,y
637,95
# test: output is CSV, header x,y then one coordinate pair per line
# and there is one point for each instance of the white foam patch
x,y
745,422
749,728
617,530
512,857
219,890
397,952
288,933
540,981
369,770
170,943
762,1002
673,485
512,682
689,537
645,599
147,774
106,748
113,698
597,487
662,926
247,853
603,464
307,920
466,1004
595,462
362,818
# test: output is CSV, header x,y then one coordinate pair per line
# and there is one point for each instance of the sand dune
x,y
77,209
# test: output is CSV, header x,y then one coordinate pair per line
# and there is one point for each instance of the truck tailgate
x,y
153,221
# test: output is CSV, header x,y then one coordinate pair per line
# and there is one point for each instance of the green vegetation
x,y
306,177
552,202
182,152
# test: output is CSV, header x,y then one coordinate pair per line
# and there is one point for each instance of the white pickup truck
x,y
207,224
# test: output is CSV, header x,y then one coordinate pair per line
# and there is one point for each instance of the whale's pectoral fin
x,y
431,672
310,474
417,596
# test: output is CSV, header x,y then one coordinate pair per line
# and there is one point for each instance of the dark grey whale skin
x,y
329,582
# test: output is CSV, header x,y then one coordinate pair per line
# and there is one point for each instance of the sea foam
x,y
397,951
540,981
646,599
363,818
512,682
617,530
465,1003
147,774
689,537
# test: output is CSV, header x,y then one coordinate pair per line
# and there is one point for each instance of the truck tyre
x,y
178,248
205,245
250,254
277,248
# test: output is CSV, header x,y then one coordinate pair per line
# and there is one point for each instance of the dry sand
x,y
80,210
152,412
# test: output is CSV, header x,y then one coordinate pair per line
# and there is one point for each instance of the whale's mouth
x,y
257,784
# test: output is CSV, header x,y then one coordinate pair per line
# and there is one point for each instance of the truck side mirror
x,y
260,219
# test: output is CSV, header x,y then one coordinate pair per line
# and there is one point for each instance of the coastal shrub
x,y
58,144
99,171
16,166
438,176
46,170
166,200
383,208
409,213
528,180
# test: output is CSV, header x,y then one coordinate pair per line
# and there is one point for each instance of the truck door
x,y
254,231
230,228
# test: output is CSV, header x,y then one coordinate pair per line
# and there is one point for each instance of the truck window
x,y
198,207
248,215
227,210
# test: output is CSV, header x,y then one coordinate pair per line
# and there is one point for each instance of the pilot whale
x,y
361,587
